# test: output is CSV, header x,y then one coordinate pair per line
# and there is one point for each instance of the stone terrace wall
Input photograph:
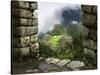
x,y
24,28
89,20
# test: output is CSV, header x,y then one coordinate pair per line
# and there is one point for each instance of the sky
x,y
50,14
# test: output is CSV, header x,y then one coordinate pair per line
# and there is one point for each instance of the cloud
x,y
50,14
74,22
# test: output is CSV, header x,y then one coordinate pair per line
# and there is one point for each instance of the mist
x,y
50,14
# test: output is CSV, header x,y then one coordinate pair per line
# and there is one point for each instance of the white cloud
x,y
74,22
49,14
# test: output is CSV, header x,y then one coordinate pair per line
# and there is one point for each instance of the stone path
x,y
50,65
57,65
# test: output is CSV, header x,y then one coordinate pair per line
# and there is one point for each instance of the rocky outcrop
x,y
89,21
24,29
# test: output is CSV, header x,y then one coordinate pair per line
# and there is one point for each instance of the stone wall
x,y
24,29
89,20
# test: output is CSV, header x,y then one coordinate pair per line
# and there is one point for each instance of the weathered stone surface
x,y
33,5
63,69
85,32
21,41
57,62
16,53
19,21
48,60
24,22
22,13
32,22
20,4
15,21
23,51
32,30
35,21
63,62
53,61
34,47
33,71
35,13
46,67
93,34
24,31
24,28
19,31
89,53
89,20
90,44
33,38
95,10
76,69
29,21
41,58
87,8
75,64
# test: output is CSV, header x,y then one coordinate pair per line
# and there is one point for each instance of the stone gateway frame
x,y
25,45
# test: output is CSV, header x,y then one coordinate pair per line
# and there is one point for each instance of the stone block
x,y
24,22
33,38
34,47
85,32
19,31
87,8
33,5
22,13
75,64
19,21
24,31
44,67
23,51
20,4
48,60
93,34
16,54
15,21
35,21
35,13
89,20
90,44
21,41
63,62
29,21
90,53
53,61
95,10
32,30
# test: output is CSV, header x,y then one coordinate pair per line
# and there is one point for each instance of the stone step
x,y
63,62
75,64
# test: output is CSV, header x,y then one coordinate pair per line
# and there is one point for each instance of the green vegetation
x,y
52,44
54,41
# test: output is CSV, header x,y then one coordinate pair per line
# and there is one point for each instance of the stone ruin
x,y
24,22
24,28
89,21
